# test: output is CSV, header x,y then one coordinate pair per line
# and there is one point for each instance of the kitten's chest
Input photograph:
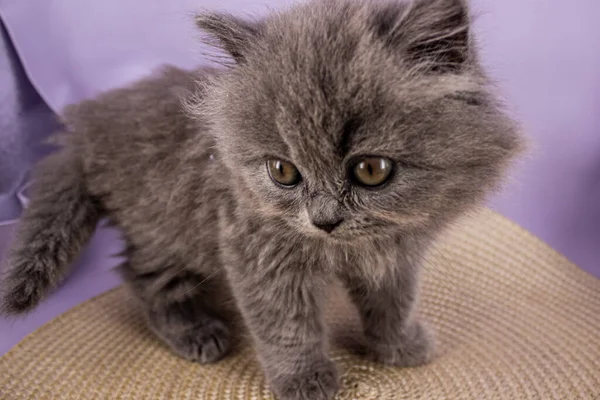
x,y
367,260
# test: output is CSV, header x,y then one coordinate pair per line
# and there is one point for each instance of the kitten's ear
x,y
232,34
433,33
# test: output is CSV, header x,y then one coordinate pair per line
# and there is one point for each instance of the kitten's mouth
x,y
327,233
341,232
340,235
323,234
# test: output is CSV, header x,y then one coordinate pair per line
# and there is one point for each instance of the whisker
x,y
203,281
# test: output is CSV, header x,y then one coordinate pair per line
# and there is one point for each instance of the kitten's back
x,y
121,156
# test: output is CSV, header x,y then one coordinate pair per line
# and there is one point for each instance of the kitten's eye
x,y
283,172
372,171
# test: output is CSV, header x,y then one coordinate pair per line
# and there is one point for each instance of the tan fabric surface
x,y
515,320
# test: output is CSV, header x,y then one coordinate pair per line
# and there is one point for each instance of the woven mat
x,y
515,320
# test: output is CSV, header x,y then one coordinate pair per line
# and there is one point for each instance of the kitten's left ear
x,y
234,35
433,33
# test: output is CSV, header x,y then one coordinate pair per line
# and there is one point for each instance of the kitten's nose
x,y
327,226
325,212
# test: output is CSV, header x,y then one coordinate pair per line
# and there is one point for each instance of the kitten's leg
x,y
395,335
181,307
279,294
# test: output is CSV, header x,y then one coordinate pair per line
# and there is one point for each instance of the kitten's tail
x,y
59,220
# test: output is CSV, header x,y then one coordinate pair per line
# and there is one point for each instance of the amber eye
x,y
283,172
372,171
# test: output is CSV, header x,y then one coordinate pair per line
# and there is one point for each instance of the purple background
x,y
544,55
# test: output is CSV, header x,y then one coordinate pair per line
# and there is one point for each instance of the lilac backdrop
x,y
544,54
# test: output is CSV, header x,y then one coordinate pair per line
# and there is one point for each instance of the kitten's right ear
x,y
232,34
433,33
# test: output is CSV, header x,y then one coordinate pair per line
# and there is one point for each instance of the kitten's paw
x,y
417,347
206,343
318,383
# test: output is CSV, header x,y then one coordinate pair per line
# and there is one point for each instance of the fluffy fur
x,y
210,235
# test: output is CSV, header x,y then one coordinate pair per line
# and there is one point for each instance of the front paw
x,y
206,342
320,382
415,347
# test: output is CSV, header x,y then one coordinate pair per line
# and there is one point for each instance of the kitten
x,y
340,141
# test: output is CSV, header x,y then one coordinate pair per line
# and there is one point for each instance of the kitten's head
x,y
352,119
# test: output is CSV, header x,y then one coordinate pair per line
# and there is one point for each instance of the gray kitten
x,y
344,136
